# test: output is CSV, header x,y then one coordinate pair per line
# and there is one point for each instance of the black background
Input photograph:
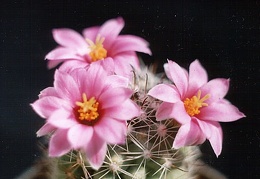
x,y
223,35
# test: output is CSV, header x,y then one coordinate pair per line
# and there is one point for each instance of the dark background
x,y
223,35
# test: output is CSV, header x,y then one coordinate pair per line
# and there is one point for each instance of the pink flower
x,y
196,104
98,44
86,110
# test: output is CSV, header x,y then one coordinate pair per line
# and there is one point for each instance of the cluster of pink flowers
x,y
90,102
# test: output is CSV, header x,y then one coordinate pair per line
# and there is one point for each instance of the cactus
x,y
147,153
158,139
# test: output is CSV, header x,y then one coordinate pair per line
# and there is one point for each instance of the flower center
x,y
87,110
193,105
98,52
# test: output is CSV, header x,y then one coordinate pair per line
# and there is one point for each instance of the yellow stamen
x,y
193,105
87,108
98,52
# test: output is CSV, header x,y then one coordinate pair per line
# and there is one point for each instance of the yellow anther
x,y
88,109
98,52
193,105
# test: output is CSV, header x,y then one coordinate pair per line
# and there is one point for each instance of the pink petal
x,y
125,63
216,88
53,63
80,75
222,111
96,151
179,77
91,33
173,110
71,39
125,43
164,92
164,111
50,91
70,65
114,97
188,134
45,106
93,82
117,81
111,130
110,30
168,71
125,111
61,119
59,144
66,87
197,77
107,64
80,135
45,129
62,53
214,134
